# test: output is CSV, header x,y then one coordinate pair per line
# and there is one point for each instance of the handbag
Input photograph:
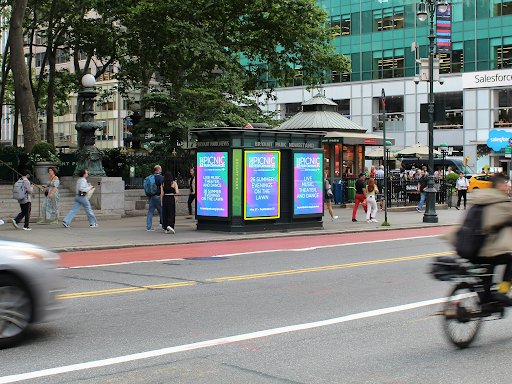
x,y
46,192
329,193
89,193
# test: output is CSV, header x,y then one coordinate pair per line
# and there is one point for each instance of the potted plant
x,y
42,156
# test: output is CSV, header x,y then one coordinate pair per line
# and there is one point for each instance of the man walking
x,y
192,193
462,188
153,194
360,195
82,187
422,186
25,202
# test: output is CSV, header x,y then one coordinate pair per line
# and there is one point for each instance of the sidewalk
x,y
131,231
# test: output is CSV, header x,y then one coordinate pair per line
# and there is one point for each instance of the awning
x,y
354,138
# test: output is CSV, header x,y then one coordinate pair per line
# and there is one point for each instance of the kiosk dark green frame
x,y
227,155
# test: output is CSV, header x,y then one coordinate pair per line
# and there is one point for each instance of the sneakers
x,y
457,208
2,222
94,225
27,229
418,210
369,221
65,225
150,230
354,220
334,218
170,229
374,220
15,224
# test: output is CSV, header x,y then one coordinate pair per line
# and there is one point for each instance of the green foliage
x,y
8,150
451,178
43,151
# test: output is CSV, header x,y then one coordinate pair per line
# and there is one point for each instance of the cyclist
x,y
497,224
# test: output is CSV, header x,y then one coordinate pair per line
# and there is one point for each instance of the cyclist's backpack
x,y
18,190
150,186
470,237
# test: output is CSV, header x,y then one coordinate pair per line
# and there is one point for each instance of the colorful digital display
x,y
262,174
308,183
212,184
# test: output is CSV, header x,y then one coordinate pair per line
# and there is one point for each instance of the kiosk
x,y
251,179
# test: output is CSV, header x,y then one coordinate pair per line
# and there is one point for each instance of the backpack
x,y
150,187
470,237
18,190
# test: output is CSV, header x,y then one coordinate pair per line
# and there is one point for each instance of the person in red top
x,y
360,195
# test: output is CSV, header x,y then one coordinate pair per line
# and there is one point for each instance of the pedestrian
x,y
462,189
154,201
51,202
192,192
371,201
360,195
329,197
25,202
422,186
81,199
168,191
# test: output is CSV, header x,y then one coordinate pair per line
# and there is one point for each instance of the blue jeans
x,y
84,202
423,196
153,202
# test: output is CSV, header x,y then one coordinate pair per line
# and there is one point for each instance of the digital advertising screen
x,y
262,185
212,184
308,183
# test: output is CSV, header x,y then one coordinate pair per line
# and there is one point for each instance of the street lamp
x,y
443,147
427,9
386,158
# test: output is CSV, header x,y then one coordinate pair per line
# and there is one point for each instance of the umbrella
x,y
378,153
416,150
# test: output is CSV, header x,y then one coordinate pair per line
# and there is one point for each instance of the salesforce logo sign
x,y
499,139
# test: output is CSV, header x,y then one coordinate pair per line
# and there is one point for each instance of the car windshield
x,y
467,170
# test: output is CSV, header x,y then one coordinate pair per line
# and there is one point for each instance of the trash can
x,y
343,193
338,192
351,190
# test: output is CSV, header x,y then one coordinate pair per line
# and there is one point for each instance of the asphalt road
x,y
317,314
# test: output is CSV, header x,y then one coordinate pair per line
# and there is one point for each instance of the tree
x,y
24,98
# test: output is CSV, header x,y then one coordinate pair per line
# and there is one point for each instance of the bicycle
x,y
464,308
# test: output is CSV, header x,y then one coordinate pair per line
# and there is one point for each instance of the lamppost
x,y
386,173
443,147
427,9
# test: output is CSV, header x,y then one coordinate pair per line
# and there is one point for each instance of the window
x,y
292,109
504,56
394,113
340,77
390,64
501,7
61,56
452,102
452,63
504,109
336,26
39,59
343,107
41,38
390,18
108,74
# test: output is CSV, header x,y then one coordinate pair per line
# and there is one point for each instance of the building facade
x,y
385,40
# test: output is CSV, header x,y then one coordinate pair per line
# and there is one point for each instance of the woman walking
x,y
168,192
329,197
81,200
371,201
51,203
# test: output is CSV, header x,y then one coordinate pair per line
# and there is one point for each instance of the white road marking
x,y
212,343
256,252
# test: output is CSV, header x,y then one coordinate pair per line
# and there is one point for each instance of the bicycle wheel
x,y
462,315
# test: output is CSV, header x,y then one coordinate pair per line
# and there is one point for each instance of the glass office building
x,y
384,40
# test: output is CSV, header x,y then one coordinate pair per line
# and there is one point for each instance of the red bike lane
x,y
224,248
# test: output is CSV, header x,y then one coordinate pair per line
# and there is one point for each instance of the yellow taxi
x,y
482,180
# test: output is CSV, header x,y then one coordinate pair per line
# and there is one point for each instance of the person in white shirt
x,y
462,189
81,200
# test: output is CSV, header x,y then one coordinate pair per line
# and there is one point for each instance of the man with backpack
x,y
152,185
22,191
485,236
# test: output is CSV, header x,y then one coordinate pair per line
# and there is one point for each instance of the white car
x,y
29,286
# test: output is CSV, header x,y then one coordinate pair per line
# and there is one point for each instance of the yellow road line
x,y
117,291
326,268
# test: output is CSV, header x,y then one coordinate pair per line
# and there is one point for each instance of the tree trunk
x,y
24,96
16,125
